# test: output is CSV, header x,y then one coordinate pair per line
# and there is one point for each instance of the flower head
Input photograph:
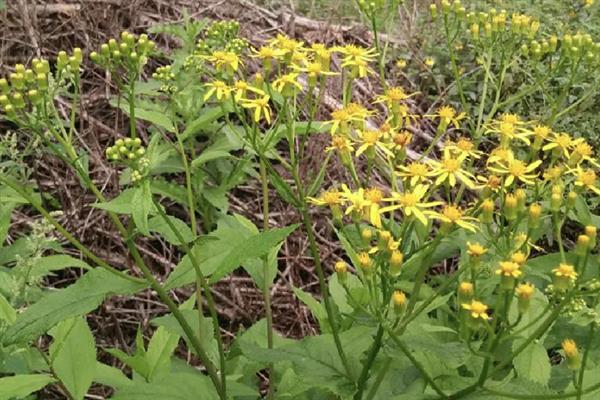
x,y
477,309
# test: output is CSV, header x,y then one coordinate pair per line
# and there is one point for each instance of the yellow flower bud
x,y
555,202
583,244
487,211
535,212
571,353
341,269
367,235
396,259
571,198
591,231
510,207
525,292
366,264
399,299
465,292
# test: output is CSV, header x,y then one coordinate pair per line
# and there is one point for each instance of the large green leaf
x,y
78,299
45,265
19,386
217,257
533,363
255,246
206,334
122,204
73,356
316,308
316,361
155,117
7,312
159,225
207,116
176,386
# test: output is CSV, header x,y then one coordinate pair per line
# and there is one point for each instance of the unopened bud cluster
x,y
129,52
131,153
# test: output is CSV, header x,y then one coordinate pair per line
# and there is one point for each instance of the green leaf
x,y
122,204
255,246
176,386
142,205
157,118
533,363
206,334
158,225
207,116
209,155
316,308
7,312
111,376
19,386
160,349
73,356
256,268
58,262
78,299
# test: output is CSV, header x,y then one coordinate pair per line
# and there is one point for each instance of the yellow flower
x,y
411,203
315,70
286,44
519,257
554,173
356,199
243,87
373,197
340,119
464,146
516,170
570,348
393,96
509,269
356,58
415,172
509,127
267,53
287,82
452,214
447,115
561,142
340,143
219,89
449,169
586,178
327,198
401,140
430,62
477,309
492,183
475,249
525,291
261,108
224,60
565,271
370,140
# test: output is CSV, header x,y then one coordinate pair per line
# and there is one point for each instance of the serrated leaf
x,y
255,246
73,356
160,226
78,299
19,386
533,363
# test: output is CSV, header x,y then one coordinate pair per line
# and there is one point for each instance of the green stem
x,y
364,375
201,280
379,378
266,284
586,353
